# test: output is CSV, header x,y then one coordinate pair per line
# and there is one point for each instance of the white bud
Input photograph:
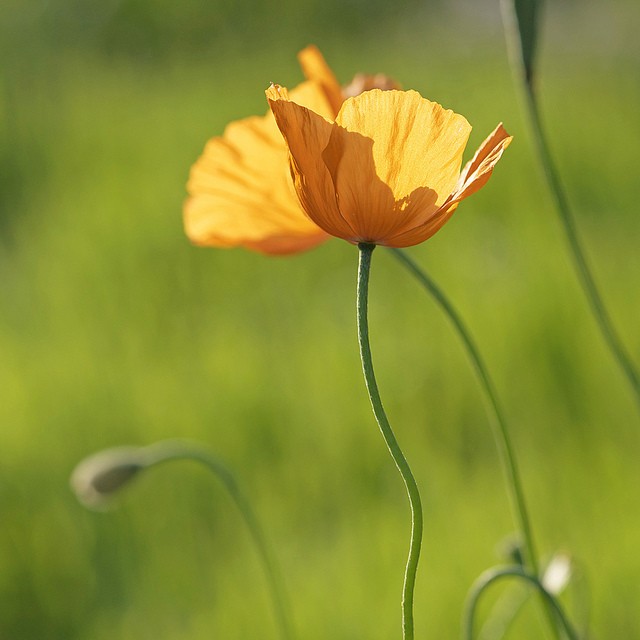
x,y
557,574
97,478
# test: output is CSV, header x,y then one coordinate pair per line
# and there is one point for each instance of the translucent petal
x,y
474,176
417,143
401,165
307,135
241,192
478,170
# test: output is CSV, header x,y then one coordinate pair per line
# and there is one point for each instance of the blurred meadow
x,y
115,330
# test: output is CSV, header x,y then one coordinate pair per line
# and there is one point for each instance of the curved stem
x,y
497,419
394,448
503,616
594,298
564,211
493,575
177,450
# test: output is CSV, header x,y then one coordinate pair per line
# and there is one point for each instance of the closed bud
x,y
97,478
558,573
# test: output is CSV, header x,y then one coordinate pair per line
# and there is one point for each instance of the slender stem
x,y
394,448
178,450
498,421
563,208
580,261
503,615
493,575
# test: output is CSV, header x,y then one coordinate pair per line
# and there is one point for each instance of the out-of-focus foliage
x,y
158,27
114,330
523,19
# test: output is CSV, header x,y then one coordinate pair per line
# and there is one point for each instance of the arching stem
x,y
494,575
525,78
497,420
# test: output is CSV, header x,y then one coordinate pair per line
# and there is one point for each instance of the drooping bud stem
x,y
101,476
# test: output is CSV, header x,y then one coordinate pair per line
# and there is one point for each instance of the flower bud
x,y
97,478
557,573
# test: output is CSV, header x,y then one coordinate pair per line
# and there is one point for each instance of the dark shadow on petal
x,y
366,202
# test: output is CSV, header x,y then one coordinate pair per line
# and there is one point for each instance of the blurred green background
x,y
114,330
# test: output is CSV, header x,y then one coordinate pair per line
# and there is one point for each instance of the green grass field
x,y
114,330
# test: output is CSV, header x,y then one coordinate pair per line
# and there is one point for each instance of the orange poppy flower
x,y
386,170
240,188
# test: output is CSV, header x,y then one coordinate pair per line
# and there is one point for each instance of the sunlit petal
x,y
474,176
307,135
417,142
478,170
421,232
240,188
395,157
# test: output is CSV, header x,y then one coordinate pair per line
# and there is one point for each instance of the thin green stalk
x,y
503,615
493,575
594,298
98,478
526,80
177,450
497,419
387,433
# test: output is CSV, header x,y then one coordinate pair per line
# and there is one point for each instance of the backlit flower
x,y
386,170
240,191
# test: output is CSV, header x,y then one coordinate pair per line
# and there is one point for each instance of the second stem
x,y
364,267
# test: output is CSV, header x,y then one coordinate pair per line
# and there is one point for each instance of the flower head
x,y
387,169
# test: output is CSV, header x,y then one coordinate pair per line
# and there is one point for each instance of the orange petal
x,y
474,176
478,170
307,135
422,232
312,96
317,70
395,158
417,142
240,193
364,201
209,225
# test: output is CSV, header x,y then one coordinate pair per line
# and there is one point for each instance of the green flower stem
x,y
387,433
563,208
498,422
497,419
178,450
503,615
494,575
